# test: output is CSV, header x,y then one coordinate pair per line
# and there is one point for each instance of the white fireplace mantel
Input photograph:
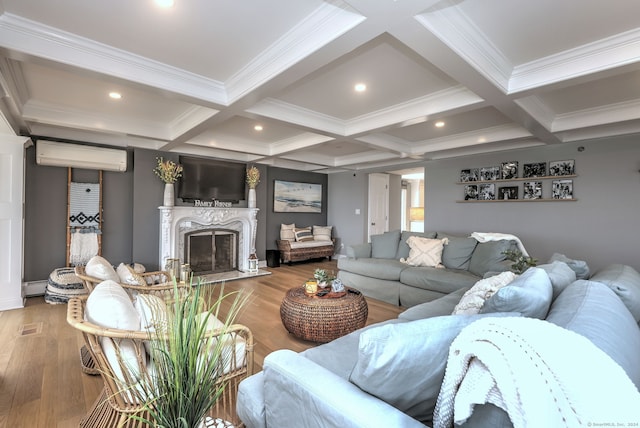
x,y
176,221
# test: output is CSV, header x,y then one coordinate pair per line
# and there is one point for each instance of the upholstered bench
x,y
305,243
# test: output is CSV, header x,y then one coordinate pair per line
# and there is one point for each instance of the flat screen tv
x,y
208,179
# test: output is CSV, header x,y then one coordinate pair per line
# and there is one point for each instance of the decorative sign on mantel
x,y
212,204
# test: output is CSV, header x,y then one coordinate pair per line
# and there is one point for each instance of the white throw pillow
x,y
473,300
425,251
322,233
99,267
128,276
110,306
287,232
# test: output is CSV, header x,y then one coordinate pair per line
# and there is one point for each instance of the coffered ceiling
x,y
199,76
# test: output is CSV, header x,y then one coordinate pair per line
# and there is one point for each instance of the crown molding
x,y
291,113
615,51
475,138
36,39
456,30
328,22
609,114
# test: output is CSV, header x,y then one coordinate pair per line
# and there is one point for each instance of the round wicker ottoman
x,y
322,319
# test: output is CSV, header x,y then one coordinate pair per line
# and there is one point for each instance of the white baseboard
x,y
34,288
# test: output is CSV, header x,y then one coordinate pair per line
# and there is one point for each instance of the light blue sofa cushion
x,y
250,401
530,294
340,355
580,267
437,279
593,310
403,364
403,247
457,253
560,275
385,245
435,308
387,269
488,257
625,282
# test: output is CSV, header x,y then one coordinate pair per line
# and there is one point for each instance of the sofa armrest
x,y
303,394
359,251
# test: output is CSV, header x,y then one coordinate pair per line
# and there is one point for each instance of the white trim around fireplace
x,y
176,221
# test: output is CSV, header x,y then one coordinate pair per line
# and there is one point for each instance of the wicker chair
x,y
163,290
165,283
114,407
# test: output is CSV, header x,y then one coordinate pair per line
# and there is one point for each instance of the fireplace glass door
x,y
212,251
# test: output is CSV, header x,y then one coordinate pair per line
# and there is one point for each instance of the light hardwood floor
x,y
42,385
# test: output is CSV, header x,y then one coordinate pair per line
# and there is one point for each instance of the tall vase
x,y
169,195
252,198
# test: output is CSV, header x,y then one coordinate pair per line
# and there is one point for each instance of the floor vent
x,y
30,329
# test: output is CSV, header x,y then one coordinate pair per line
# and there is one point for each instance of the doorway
x,y
378,217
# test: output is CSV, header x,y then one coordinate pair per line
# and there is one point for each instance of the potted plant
x,y
520,261
322,277
253,178
189,361
169,172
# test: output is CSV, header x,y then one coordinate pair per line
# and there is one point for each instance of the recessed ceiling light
x,y
165,3
439,124
115,95
258,128
360,87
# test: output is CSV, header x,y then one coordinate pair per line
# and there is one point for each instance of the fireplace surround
x,y
176,223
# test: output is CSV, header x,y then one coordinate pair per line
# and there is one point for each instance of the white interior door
x,y
378,217
11,229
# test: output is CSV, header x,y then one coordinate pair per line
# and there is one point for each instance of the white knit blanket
x,y
540,374
494,236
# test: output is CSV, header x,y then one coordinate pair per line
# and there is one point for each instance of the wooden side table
x,y
322,319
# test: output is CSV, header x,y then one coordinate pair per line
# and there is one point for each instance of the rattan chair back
x,y
120,398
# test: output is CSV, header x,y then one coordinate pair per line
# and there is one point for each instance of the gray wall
x,y
273,219
130,211
46,211
601,227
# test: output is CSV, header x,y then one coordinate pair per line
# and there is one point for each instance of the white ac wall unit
x,y
79,156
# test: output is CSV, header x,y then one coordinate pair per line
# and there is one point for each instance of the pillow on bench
x,y
322,233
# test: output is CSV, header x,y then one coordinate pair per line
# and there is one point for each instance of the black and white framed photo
x,y
469,175
563,167
471,192
562,189
489,173
486,192
532,190
508,192
533,170
509,170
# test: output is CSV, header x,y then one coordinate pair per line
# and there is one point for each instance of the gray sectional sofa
x,y
390,374
376,270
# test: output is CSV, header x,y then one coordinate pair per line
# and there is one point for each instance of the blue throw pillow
x,y
530,294
385,246
403,364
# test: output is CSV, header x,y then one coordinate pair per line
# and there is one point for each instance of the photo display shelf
x,y
502,183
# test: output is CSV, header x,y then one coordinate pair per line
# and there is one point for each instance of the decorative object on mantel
x,y
169,172
253,178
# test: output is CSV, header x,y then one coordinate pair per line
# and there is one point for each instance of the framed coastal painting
x,y
295,197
